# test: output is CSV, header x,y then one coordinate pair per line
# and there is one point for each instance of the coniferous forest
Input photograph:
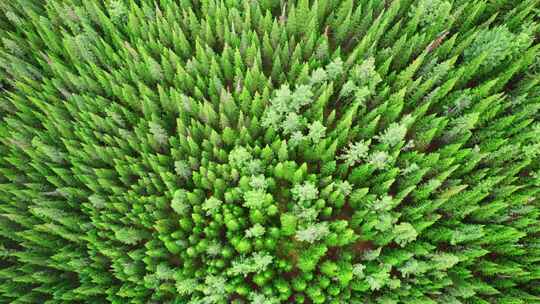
x,y
271,151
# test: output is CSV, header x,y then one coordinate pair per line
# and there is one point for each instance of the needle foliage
x,y
310,151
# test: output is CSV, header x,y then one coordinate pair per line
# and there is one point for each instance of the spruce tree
x,y
322,151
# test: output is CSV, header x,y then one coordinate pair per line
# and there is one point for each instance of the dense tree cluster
x,y
310,151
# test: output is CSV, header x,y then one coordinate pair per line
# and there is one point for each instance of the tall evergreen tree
x,y
269,151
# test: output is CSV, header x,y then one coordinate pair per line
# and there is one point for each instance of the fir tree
x,y
269,151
